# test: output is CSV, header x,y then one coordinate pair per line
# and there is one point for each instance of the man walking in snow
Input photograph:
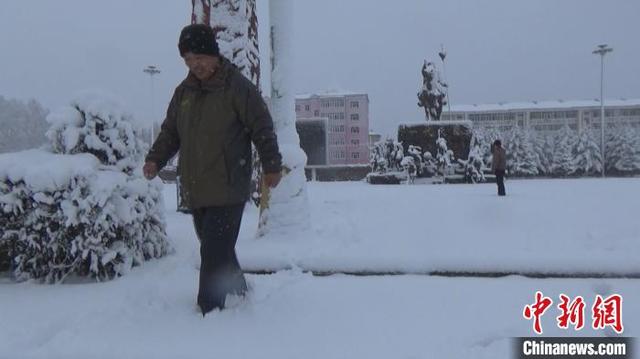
x,y
213,117
499,165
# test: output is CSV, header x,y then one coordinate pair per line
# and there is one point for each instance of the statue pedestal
x,y
457,134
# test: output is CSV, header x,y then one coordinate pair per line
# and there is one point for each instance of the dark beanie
x,y
198,39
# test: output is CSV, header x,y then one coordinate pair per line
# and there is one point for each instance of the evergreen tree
x,y
522,160
563,161
587,154
485,138
543,147
622,156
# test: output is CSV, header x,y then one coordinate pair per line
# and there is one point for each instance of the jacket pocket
x,y
237,160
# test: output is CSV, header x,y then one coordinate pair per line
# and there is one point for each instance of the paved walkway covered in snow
x,y
543,228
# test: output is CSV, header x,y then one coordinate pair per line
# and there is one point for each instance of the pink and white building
x,y
347,117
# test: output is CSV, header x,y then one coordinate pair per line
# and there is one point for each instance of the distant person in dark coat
x,y
499,165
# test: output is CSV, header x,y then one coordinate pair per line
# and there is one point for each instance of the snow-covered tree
x,y
236,24
80,208
621,152
432,95
522,160
288,205
563,163
474,165
484,138
543,145
587,154
22,125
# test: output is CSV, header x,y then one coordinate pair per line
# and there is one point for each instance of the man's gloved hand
x,y
272,179
150,170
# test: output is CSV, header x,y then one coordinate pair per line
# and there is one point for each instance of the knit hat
x,y
198,39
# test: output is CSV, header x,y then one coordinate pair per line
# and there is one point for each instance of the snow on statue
x,y
432,95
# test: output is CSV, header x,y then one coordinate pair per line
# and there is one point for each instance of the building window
x,y
355,129
337,141
354,104
355,155
355,142
306,107
355,116
316,113
338,155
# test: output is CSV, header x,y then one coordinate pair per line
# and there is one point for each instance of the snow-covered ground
x,y
565,226
587,226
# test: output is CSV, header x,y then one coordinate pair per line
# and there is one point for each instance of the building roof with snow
x,y
532,105
340,93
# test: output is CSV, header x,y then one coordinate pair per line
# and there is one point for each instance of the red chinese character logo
x,y
536,310
608,312
572,312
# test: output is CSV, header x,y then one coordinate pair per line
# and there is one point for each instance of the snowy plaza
x,y
300,179
586,228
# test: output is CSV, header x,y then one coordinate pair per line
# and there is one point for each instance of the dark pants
x,y
500,182
220,272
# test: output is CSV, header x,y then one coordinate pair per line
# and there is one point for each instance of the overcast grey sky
x,y
498,50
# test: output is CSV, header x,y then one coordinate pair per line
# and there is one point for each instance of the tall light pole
x,y
152,71
602,50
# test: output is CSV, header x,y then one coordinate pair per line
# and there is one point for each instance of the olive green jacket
x,y
212,124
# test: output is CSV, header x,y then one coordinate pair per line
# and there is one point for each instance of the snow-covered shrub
x,y
386,156
377,158
95,123
87,214
386,178
474,166
415,152
409,165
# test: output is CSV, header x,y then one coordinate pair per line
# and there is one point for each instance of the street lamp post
x,y
602,50
152,70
